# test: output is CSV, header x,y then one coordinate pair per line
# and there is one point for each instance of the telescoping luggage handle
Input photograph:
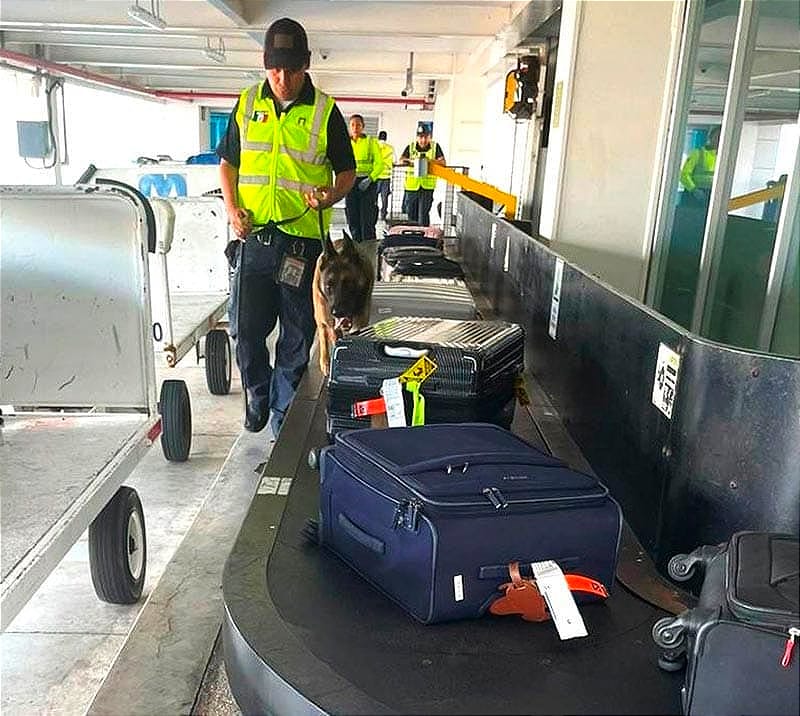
x,y
461,462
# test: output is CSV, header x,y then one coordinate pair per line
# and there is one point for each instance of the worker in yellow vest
x,y
697,172
361,202
385,179
284,144
418,196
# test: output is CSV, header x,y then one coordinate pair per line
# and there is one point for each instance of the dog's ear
x,y
328,249
348,245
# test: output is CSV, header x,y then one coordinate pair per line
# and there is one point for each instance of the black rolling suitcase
x,y
435,300
738,643
410,262
477,362
388,258
399,237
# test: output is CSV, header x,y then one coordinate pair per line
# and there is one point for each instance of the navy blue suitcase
x,y
433,515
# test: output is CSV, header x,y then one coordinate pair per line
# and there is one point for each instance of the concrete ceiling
x,y
359,49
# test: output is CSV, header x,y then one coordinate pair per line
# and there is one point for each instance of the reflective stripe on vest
x,y
363,152
427,182
283,157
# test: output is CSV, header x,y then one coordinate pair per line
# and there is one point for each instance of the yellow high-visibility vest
x,y
427,182
283,157
369,161
387,152
698,170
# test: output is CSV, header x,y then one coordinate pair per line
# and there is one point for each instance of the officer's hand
x,y
242,222
364,184
321,198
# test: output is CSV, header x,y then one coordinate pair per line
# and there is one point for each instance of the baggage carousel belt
x,y
317,635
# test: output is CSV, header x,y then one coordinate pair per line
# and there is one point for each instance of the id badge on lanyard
x,y
293,267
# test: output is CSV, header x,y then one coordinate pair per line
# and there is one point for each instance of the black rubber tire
x,y
679,569
176,420
667,634
313,458
218,362
671,665
110,539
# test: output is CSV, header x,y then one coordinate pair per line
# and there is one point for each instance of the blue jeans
x,y
383,194
258,301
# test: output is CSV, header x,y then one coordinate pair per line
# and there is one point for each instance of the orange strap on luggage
x,y
522,596
363,408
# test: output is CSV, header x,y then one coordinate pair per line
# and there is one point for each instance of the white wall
x,y
104,128
618,105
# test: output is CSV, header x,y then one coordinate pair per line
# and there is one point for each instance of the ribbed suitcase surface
x,y
422,300
433,515
477,365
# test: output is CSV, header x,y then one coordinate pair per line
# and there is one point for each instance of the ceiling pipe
x,y
201,94
18,59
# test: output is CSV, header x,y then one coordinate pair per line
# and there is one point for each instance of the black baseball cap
x,y
422,129
286,45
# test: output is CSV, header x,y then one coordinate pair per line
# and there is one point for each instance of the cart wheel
x,y
668,633
218,362
118,549
176,420
680,568
670,664
313,458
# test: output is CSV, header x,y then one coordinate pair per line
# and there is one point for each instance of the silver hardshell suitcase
x,y
424,299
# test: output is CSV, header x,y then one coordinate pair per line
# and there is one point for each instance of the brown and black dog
x,y
342,290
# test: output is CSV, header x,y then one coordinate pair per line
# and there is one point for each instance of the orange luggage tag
x,y
522,596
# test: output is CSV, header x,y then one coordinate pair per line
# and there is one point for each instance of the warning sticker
x,y
668,364
556,301
420,371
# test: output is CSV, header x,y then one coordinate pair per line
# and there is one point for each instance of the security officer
x,y
361,201
419,190
385,179
284,143
697,172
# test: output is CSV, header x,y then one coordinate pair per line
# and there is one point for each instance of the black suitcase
x,y
409,237
388,258
737,643
425,264
477,362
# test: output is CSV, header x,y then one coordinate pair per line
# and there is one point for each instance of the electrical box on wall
x,y
33,139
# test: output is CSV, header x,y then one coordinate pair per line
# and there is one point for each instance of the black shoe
x,y
255,422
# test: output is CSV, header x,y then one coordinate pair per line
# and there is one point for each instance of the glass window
x,y
764,158
690,188
786,335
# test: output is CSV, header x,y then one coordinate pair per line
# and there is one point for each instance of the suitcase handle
x,y
405,352
373,544
464,461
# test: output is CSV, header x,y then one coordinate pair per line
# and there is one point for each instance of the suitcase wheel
x,y
671,664
668,633
681,567
310,531
313,458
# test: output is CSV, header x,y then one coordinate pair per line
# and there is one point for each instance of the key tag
x,y
521,597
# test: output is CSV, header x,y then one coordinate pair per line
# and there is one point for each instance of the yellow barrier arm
x,y
756,197
479,187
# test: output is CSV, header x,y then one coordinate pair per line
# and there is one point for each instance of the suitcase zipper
x,y
793,632
495,497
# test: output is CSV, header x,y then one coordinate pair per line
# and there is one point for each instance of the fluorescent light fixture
x,y
216,54
144,17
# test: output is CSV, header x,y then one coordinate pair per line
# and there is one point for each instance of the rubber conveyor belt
x,y
314,638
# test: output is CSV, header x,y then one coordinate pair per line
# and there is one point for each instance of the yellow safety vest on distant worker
x,y
387,154
428,181
283,157
369,161
698,170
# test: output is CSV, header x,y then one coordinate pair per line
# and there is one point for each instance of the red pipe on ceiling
x,y
18,58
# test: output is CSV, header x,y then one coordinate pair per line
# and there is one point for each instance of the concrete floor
x,y
57,653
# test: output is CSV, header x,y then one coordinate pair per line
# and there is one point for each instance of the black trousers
x,y
418,205
258,301
361,209
383,193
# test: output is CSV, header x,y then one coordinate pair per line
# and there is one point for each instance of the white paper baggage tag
x,y
560,602
392,393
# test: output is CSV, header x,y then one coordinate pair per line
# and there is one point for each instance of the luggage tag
x,y
560,602
293,267
393,397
